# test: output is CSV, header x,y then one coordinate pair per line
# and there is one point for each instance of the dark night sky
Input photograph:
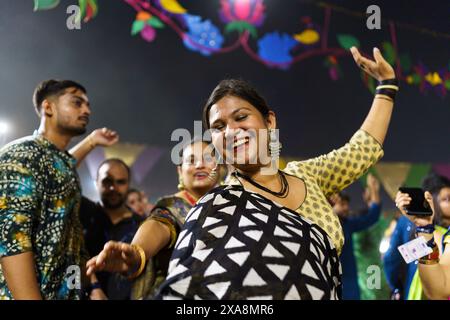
x,y
145,91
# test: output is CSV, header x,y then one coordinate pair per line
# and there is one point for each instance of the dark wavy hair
x,y
237,88
434,183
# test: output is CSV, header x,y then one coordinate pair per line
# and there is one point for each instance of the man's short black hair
x,y
52,87
344,197
115,160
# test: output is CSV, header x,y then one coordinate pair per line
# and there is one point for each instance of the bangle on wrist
x,y
433,257
142,262
429,262
91,142
381,96
392,81
387,88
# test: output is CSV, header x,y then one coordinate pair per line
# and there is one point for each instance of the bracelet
x,y
429,262
387,92
392,81
429,229
433,257
142,263
388,88
91,143
384,98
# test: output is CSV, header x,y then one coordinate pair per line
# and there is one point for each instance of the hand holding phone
x,y
418,206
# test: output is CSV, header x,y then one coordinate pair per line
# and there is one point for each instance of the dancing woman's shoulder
x,y
225,192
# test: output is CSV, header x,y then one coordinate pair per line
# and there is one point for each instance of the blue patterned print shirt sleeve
x,y
18,205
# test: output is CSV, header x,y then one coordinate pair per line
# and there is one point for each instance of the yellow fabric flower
x,y
20,218
23,240
308,36
433,78
3,203
59,204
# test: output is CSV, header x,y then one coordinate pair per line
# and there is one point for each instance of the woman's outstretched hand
x,y
115,257
379,69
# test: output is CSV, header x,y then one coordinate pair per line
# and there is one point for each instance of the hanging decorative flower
x,y
447,81
433,78
88,8
427,80
440,81
202,36
275,48
334,69
172,6
145,24
241,15
309,35
45,4
413,79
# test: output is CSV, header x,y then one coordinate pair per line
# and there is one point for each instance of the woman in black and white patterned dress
x,y
271,234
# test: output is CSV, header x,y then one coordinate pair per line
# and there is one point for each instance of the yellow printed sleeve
x,y
339,168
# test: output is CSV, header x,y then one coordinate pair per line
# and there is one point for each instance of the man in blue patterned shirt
x,y
41,236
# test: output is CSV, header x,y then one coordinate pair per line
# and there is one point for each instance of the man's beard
x,y
72,130
113,204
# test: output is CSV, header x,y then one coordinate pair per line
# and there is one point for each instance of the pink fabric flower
x,y
250,11
148,33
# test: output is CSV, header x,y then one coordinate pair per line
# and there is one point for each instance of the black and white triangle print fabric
x,y
237,244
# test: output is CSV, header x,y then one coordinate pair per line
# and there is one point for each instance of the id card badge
x,y
414,249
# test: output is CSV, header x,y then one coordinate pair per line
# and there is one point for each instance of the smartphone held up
x,y
419,206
